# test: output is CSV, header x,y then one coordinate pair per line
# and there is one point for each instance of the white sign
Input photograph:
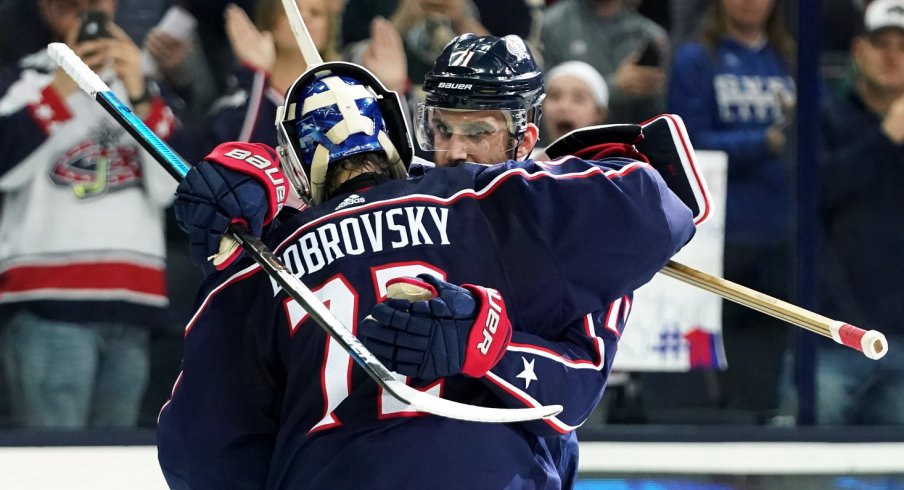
x,y
675,326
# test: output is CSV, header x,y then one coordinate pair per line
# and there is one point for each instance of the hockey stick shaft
x,y
308,49
870,342
90,83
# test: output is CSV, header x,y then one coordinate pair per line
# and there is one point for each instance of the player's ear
x,y
529,141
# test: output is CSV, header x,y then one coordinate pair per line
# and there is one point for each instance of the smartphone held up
x,y
93,26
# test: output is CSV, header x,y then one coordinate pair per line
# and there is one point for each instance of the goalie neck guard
x,y
333,111
484,73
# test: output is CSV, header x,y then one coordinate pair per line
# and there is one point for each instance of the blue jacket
x,y
862,172
727,99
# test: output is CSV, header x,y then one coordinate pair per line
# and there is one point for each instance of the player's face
x,y
880,58
316,19
470,136
62,16
569,105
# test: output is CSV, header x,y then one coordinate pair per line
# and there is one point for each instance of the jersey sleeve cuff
x,y
160,119
50,110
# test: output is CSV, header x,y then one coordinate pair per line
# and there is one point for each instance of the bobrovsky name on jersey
x,y
373,232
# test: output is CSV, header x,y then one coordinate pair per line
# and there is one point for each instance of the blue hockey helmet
x,y
483,73
333,111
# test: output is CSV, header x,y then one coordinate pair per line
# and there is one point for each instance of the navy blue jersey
x,y
266,399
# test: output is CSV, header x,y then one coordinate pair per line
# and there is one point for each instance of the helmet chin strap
x,y
513,153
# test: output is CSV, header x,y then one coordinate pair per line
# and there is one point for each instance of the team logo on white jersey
x,y
350,201
97,166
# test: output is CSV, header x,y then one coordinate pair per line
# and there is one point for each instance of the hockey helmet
x,y
480,73
333,111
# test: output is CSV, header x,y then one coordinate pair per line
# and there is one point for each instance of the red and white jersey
x,y
82,218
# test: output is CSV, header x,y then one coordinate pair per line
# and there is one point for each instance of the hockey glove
x,y
236,182
462,330
598,142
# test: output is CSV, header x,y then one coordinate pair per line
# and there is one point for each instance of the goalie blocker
x,y
662,141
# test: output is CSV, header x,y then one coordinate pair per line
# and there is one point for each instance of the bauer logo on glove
x,y
236,183
429,328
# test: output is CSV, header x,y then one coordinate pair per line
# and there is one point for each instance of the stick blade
x,y
86,79
435,405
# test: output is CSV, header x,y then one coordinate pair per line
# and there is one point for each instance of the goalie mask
x,y
333,111
481,74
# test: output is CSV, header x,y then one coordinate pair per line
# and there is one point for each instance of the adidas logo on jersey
x,y
349,201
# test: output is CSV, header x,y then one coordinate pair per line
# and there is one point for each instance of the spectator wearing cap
x,y
862,163
576,96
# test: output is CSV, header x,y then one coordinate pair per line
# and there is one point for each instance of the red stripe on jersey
x,y
553,422
612,317
161,118
590,331
50,110
98,275
550,354
238,276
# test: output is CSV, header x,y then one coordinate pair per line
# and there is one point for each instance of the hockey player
x,y
266,399
489,120
483,101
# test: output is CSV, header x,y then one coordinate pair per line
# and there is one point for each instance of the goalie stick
x,y
666,143
91,84
668,146
870,342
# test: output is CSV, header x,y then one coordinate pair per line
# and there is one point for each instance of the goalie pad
x,y
662,141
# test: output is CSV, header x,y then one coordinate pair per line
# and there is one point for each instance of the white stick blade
x,y
426,402
86,79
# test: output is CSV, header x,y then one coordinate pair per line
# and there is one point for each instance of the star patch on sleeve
x,y
528,374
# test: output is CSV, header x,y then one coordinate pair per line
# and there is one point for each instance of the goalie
x,y
265,399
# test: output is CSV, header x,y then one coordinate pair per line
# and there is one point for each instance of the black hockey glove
x,y
236,182
662,142
461,330
598,142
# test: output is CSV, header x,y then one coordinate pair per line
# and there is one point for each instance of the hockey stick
x,y
670,152
302,36
91,84
870,342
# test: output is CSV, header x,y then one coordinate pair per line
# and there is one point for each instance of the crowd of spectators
x,y
205,72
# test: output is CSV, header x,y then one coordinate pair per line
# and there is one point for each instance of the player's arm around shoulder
x,y
571,185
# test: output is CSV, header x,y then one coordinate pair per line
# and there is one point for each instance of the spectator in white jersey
x,y
82,279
